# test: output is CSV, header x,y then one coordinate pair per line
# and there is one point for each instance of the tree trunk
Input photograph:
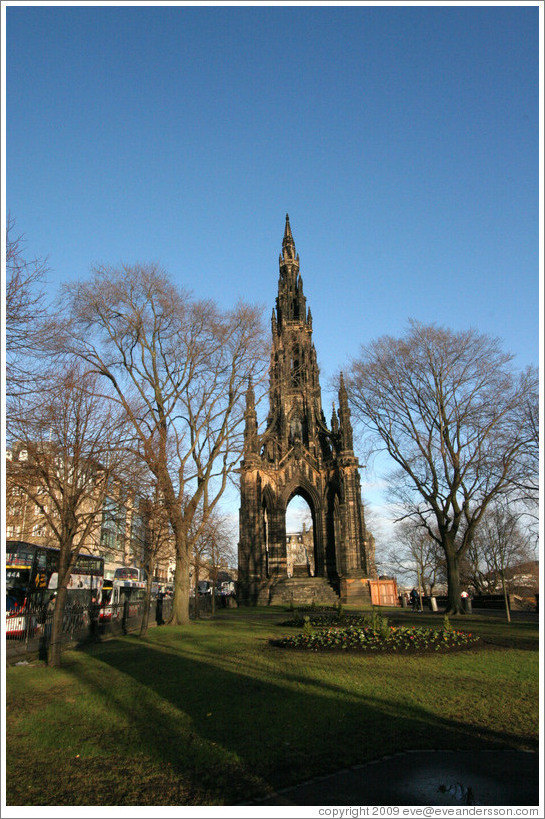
x,y
214,583
505,597
196,608
55,644
454,601
196,577
180,603
147,603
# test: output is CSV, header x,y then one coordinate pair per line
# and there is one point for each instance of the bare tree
x,y
474,573
417,553
499,544
220,551
446,406
212,540
179,370
72,443
525,481
26,318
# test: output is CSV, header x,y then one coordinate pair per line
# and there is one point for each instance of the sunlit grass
x,y
213,714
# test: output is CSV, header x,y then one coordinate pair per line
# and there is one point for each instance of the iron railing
x,y
28,630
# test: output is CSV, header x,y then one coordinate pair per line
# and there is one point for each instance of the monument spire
x,y
291,302
344,417
288,245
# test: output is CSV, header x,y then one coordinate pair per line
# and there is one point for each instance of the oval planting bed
x,y
378,636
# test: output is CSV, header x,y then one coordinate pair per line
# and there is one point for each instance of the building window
x,y
138,540
112,533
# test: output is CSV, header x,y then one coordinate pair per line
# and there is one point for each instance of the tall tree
x,y
446,406
179,370
73,448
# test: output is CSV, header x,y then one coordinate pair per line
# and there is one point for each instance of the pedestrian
x,y
49,616
78,615
414,599
125,617
159,609
94,612
45,619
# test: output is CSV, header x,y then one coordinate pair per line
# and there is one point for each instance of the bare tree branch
x,y
28,326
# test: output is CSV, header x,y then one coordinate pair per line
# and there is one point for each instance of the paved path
x,y
425,778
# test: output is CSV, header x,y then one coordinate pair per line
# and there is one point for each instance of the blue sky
x,y
402,141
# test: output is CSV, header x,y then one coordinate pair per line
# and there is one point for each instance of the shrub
x,y
379,624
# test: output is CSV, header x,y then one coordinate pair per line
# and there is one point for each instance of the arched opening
x,y
300,536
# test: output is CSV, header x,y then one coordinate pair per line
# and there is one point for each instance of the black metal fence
x,y
28,630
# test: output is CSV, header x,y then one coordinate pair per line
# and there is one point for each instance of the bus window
x,y
131,594
15,598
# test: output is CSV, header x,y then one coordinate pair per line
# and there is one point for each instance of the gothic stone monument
x,y
297,454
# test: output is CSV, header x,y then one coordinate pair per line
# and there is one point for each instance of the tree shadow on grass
x,y
233,734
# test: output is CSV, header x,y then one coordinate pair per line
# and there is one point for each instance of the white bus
x,y
117,592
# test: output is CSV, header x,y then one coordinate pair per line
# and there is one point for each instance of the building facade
x,y
299,454
119,531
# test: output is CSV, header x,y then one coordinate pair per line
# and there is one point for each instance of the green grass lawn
x,y
212,714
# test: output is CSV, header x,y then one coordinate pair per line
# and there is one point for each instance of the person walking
x,y
45,619
159,609
125,617
94,612
49,616
415,600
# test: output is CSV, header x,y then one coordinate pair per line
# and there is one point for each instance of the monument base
x,y
297,591
355,591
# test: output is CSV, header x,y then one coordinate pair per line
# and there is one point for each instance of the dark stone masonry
x,y
298,454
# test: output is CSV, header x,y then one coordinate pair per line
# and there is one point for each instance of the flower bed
x,y
389,638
